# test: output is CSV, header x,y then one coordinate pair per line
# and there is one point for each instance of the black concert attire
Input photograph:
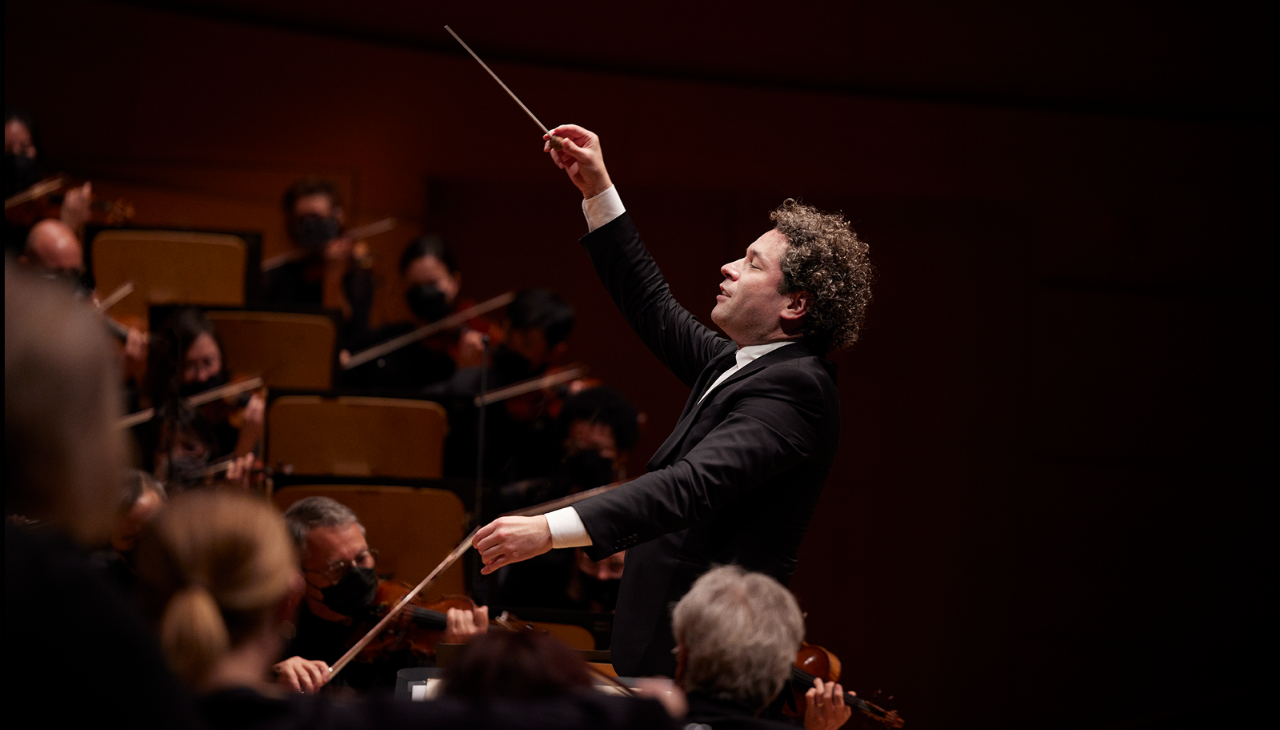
x,y
246,709
76,651
295,284
327,641
739,477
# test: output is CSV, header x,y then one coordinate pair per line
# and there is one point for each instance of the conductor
x,y
739,478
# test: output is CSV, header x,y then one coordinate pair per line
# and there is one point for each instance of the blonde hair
x,y
215,565
63,448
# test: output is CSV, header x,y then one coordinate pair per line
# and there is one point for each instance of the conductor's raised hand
x,y
509,540
581,157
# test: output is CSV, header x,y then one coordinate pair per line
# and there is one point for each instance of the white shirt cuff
x,y
567,529
602,208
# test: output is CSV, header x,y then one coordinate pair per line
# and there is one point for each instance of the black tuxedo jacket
x,y
738,479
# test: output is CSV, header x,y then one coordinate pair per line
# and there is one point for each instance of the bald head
x,y
53,246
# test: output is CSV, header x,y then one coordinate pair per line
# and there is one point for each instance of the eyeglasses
x,y
338,568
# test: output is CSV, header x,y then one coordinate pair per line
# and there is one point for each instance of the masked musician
x,y
181,443
600,427
433,283
340,591
332,271
739,478
63,456
22,170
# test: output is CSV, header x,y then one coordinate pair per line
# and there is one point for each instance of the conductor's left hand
x,y
509,540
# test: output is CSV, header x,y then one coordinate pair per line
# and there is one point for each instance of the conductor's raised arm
x,y
581,157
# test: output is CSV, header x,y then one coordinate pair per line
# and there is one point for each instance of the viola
x,y
815,662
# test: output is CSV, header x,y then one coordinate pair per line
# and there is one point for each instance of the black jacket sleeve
x,y
632,277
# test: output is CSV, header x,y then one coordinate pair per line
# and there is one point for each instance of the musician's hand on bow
x,y
509,540
824,707
464,624
302,675
580,156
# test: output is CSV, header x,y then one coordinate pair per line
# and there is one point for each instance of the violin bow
x,y
44,187
573,372
116,295
448,562
355,234
198,399
422,333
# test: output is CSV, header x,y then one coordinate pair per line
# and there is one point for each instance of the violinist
x,y
341,586
22,170
180,443
534,337
142,500
433,281
737,634
600,427
62,464
333,271
53,251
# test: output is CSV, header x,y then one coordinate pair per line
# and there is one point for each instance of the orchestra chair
x,y
170,267
289,351
356,436
413,529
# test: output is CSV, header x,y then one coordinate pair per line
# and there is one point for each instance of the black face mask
x,y
313,231
603,592
19,173
511,366
588,469
352,595
186,390
427,302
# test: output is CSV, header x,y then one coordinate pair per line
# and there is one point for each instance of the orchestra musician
x,y
600,427
340,586
331,271
534,336
430,270
739,478
221,582
142,500
737,634
64,454
22,170
180,443
53,250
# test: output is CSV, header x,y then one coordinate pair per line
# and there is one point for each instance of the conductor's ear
x,y
797,305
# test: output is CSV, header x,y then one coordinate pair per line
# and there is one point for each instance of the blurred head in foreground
x,y
219,574
63,449
524,666
737,634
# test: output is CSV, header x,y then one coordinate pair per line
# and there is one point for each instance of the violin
x,y
530,399
45,198
416,628
815,662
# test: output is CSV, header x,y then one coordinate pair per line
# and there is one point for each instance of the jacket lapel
x,y
713,370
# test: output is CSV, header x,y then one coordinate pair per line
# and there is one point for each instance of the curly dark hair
x,y
827,259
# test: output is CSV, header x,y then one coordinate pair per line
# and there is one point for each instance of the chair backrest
x,y
287,350
412,529
170,267
356,436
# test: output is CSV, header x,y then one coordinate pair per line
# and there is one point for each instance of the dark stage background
x,y
1055,503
